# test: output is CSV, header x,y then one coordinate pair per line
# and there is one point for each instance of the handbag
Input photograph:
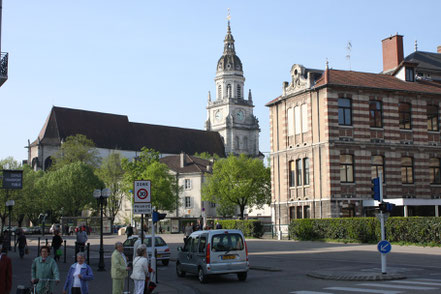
x,y
59,252
149,286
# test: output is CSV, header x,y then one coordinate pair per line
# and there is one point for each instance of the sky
x,y
155,61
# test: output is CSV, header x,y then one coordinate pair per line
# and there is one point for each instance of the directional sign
x,y
12,179
384,246
142,192
142,208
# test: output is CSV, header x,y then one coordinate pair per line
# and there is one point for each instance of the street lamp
x,y
101,196
9,205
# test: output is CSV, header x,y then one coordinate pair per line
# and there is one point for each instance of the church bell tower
x,y
229,113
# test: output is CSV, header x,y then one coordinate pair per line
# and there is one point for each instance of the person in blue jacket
x,y
78,277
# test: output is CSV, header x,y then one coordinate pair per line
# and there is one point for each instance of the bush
x,y
419,230
250,228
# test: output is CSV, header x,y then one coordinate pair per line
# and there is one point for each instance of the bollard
x,y
88,250
65,251
38,247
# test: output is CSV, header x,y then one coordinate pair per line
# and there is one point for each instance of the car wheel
x,y
242,276
201,276
179,270
165,261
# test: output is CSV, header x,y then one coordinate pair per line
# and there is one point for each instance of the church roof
x,y
113,131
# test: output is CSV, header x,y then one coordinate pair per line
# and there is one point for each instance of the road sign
x,y
142,208
142,192
384,246
12,179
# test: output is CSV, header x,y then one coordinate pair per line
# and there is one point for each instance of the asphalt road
x,y
277,267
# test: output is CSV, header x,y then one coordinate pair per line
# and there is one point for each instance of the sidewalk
x,y
102,283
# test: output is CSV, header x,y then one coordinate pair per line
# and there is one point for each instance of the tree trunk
x,y
242,209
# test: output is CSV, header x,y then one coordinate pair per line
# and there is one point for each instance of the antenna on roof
x,y
416,45
348,55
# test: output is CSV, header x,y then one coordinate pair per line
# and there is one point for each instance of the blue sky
x,y
155,61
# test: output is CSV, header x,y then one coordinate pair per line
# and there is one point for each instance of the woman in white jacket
x,y
140,269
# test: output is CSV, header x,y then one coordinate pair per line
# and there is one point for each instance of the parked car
x,y
26,230
55,227
13,229
214,252
162,249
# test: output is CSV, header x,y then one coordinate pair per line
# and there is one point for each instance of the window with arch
x,y
245,143
407,170
229,90
239,91
236,143
219,92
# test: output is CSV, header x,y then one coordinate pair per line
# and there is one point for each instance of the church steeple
x,y
229,42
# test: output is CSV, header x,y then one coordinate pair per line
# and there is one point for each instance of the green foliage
x,y
76,148
69,189
207,156
148,167
240,181
250,228
111,173
419,230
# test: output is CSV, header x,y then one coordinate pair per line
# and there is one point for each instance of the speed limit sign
x,y
142,192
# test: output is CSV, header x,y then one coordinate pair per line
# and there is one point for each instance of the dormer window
x,y
410,74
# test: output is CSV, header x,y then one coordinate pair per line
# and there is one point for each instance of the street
x,y
276,267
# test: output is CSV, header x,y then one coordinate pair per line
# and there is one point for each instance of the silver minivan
x,y
214,252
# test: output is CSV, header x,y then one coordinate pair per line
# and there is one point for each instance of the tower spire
x,y
229,40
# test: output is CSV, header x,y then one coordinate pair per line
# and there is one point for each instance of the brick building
x,y
333,131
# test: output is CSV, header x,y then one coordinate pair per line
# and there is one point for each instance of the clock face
x,y
240,115
218,115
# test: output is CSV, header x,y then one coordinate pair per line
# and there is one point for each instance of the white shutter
x,y
297,119
304,118
290,122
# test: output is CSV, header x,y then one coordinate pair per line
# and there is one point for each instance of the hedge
x,y
423,230
250,228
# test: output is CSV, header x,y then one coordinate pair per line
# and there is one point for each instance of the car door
x,y
194,255
185,255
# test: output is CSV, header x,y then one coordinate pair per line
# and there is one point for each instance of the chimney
x,y
182,159
392,52
438,49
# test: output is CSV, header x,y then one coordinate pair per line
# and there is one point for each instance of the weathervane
x,y
348,55
228,16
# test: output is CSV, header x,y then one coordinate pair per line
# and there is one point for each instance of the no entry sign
x,y
142,192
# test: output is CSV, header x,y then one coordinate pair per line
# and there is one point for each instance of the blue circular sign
x,y
384,247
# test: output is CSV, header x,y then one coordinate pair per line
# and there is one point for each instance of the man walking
x,y
81,240
129,231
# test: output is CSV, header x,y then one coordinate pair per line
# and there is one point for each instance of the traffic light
x,y
376,189
158,216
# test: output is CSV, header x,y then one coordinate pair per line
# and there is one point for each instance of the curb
x,y
354,276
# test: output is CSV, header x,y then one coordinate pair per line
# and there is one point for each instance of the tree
x,y
7,163
147,167
70,188
111,173
238,180
76,148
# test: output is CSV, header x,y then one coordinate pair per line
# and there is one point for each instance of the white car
x,y
162,249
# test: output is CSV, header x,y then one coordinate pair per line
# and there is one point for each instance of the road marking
x,y
429,280
397,286
418,283
363,290
309,292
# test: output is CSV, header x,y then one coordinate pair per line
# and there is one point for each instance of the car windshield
x,y
227,242
159,242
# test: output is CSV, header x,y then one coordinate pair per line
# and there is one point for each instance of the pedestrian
x,y
22,244
129,231
119,269
81,239
56,244
44,267
218,226
187,231
197,226
5,272
136,245
78,277
140,269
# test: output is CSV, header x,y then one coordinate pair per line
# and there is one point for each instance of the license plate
x,y
226,257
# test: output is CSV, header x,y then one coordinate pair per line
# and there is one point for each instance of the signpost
x,y
384,247
12,179
142,201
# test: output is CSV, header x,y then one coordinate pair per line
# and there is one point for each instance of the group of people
x,y
191,227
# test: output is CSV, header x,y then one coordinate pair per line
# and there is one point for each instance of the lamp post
x,y
9,205
101,196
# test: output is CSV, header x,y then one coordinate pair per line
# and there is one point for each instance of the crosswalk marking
x,y
350,289
417,283
309,292
397,286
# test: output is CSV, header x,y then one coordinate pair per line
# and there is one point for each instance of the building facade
x,y
3,55
230,113
333,131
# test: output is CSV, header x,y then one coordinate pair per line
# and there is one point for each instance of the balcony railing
x,y
3,67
